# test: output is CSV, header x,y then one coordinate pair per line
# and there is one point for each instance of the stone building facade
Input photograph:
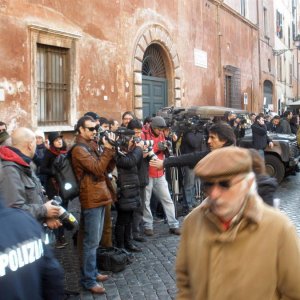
x,y
61,59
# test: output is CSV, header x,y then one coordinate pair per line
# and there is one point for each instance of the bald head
x,y
24,139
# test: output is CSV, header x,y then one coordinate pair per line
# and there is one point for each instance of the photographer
x,y
90,168
157,181
238,127
128,191
57,147
143,169
260,138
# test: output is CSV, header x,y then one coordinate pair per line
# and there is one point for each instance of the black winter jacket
x,y
128,180
47,170
190,159
191,142
260,139
266,188
143,171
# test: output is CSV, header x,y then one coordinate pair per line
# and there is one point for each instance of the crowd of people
x,y
127,167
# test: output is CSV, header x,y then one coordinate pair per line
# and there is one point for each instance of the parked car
x,y
281,160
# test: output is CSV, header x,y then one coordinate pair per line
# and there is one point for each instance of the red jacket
x,y
149,135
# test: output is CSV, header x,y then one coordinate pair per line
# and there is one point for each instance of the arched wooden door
x,y
154,81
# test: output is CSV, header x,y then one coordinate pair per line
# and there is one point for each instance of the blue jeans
x,y
189,187
159,187
93,219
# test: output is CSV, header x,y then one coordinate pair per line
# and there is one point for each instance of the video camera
x,y
66,218
181,121
123,135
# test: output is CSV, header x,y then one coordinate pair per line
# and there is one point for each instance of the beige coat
x,y
258,258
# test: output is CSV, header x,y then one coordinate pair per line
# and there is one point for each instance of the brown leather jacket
x,y
90,168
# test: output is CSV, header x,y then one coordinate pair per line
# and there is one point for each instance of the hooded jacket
x,y
20,187
148,134
257,258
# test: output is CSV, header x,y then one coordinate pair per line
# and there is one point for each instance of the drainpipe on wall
x,y
219,39
259,57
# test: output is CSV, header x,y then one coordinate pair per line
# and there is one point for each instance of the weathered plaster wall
x,y
108,35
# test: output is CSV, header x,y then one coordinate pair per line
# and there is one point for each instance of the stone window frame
x,y
156,34
57,38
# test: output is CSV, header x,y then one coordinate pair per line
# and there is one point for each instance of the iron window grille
x,y
52,85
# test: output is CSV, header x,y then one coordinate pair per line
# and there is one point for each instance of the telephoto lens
x,y
151,154
66,218
149,143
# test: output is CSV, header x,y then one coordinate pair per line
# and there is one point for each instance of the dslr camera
x,y
149,144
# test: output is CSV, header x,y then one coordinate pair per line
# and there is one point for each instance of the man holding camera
x,y
20,186
157,181
260,138
96,192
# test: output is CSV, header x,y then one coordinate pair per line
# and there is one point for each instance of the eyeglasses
x,y
91,128
224,184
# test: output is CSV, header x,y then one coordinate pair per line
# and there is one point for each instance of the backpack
x,y
65,176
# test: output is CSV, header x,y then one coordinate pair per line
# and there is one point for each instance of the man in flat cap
x,y
233,246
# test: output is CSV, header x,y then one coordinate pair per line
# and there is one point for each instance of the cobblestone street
x,y
151,275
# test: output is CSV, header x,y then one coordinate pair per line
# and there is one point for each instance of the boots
x,y
128,241
119,234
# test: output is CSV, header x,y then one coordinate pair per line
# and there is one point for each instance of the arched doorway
x,y
154,81
156,35
268,96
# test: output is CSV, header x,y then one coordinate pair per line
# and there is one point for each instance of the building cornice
x,y
73,35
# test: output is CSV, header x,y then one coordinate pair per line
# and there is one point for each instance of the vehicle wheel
x,y
275,167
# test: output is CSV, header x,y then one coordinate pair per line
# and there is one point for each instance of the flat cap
x,y
223,164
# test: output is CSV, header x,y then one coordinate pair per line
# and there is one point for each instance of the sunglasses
x,y
224,184
91,128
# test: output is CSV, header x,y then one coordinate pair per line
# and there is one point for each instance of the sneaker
x,y
148,232
63,241
59,245
175,231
